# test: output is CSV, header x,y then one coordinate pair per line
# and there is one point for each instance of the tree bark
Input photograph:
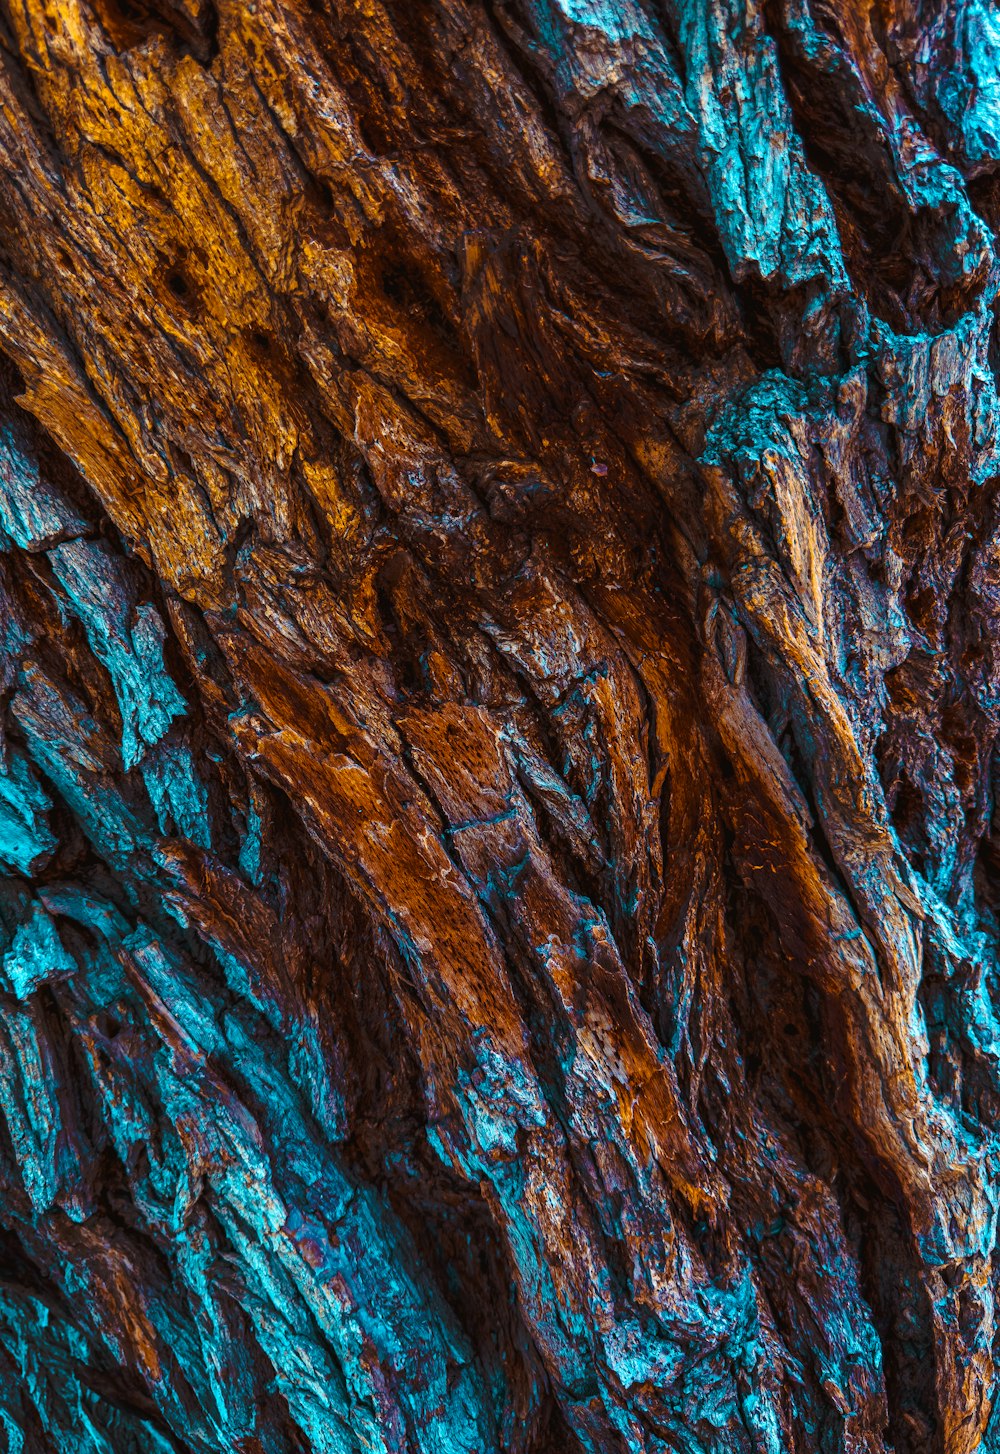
x,y
500,607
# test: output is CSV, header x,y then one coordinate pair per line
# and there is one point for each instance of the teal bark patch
x,y
36,955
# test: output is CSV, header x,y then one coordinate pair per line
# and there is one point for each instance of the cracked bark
x,y
500,589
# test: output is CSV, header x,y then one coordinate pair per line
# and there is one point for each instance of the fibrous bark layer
x,y
500,622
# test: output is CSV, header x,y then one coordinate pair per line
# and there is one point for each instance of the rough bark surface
x,y
500,620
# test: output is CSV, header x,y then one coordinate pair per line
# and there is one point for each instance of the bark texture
x,y
500,625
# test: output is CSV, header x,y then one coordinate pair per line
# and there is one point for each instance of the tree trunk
x,y
500,593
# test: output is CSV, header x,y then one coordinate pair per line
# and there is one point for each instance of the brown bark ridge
x,y
500,607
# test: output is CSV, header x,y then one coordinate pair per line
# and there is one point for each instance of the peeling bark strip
x,y
500,610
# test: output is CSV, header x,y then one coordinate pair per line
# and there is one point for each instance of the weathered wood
x,y
501,664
